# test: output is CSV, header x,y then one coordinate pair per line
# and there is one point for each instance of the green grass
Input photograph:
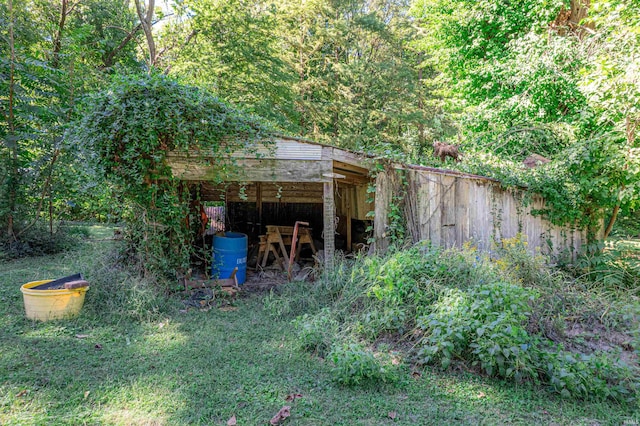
x,y
203,367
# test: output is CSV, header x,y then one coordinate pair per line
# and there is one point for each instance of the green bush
x,y
501,314
317,332
588,376
38,241
355,364
485,325
615,265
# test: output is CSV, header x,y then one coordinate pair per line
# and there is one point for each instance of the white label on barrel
x,y
241,261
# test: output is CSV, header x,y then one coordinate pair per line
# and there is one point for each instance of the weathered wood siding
x,y
268,192
450,209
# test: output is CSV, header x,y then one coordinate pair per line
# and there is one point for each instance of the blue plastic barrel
x,y
230,252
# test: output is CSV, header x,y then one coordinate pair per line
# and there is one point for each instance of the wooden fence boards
x,y
450,209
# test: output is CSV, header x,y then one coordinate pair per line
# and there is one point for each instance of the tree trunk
x,y
146,17
108,59
630,133
57,41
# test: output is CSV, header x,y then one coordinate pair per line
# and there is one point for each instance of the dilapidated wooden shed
x,y
333,189
285,181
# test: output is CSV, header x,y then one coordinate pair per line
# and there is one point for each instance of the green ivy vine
x,y
130,127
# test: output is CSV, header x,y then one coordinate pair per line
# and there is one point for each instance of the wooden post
x,y
349,196
448,211
329,223
381,218
259,207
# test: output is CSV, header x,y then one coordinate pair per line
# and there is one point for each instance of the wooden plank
x,y
351,177
462,211
448,211
327,153
422,206
259,205
509,215
435,208
381,212
350,158
249,170
474,211
271,192
348,197
360,207
280,148
329,215
411,205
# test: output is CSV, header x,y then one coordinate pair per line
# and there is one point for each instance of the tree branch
x,y
108,59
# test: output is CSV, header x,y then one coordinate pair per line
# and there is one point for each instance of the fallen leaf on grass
x,y
81,336
22,393
232,421
392,415
86,394
292,397
281,415
482,395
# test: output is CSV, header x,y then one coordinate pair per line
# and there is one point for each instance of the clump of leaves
x,y
485,324
356,364
317,332
503,314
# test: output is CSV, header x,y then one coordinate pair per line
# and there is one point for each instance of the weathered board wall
x,y
267,192
353,202
450,209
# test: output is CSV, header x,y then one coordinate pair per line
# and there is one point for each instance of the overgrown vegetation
x,y
505,315
131,127
551,78
132,357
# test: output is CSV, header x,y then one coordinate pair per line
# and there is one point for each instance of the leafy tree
x,y
51,53
553,78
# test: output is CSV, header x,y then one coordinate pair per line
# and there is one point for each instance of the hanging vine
x,y
131,127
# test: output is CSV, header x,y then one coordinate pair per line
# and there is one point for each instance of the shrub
x,y
317,332
355,364
38,241
588,376
501,314
484,324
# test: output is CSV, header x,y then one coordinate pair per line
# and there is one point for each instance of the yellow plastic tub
x,y
45,305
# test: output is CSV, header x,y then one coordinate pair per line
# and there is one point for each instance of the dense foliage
x,y
554,78
557,78
131,127
505,316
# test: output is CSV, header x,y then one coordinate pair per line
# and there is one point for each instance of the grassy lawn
x,y
202,367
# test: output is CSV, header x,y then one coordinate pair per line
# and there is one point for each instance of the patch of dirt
x,y
262,281
595,337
